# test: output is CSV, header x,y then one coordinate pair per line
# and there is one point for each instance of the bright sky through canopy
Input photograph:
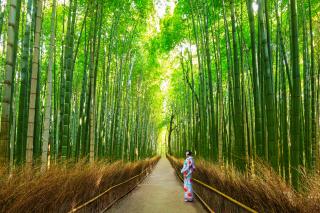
x,y
164,6
255,7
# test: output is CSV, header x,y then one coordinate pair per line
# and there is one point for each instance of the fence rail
x,y
78,208
217,192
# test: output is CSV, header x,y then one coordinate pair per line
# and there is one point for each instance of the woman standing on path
x,y
187,170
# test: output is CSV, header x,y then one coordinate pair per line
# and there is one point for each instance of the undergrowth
x,y
63,187
263,190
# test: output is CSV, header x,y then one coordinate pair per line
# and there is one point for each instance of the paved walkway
x,y
160,192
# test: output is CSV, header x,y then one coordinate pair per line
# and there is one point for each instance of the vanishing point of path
x,y
160,192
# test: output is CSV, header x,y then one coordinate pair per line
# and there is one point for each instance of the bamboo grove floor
x,y
158,193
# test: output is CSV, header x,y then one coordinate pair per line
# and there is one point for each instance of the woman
x,y
187,170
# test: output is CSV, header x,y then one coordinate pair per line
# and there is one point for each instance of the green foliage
x,y
131,71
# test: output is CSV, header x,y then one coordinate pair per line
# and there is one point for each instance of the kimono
x,y
187,170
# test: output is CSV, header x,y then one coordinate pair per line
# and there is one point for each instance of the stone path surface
x,y
160,192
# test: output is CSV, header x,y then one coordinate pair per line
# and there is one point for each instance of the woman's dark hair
x,y
188,152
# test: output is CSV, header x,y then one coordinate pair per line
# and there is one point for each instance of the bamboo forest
x,y
98,95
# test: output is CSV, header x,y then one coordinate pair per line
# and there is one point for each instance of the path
x,y
160,192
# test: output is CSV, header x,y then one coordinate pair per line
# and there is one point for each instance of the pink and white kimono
x,y
187,170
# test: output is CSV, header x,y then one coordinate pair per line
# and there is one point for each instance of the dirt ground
x,y
161,192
